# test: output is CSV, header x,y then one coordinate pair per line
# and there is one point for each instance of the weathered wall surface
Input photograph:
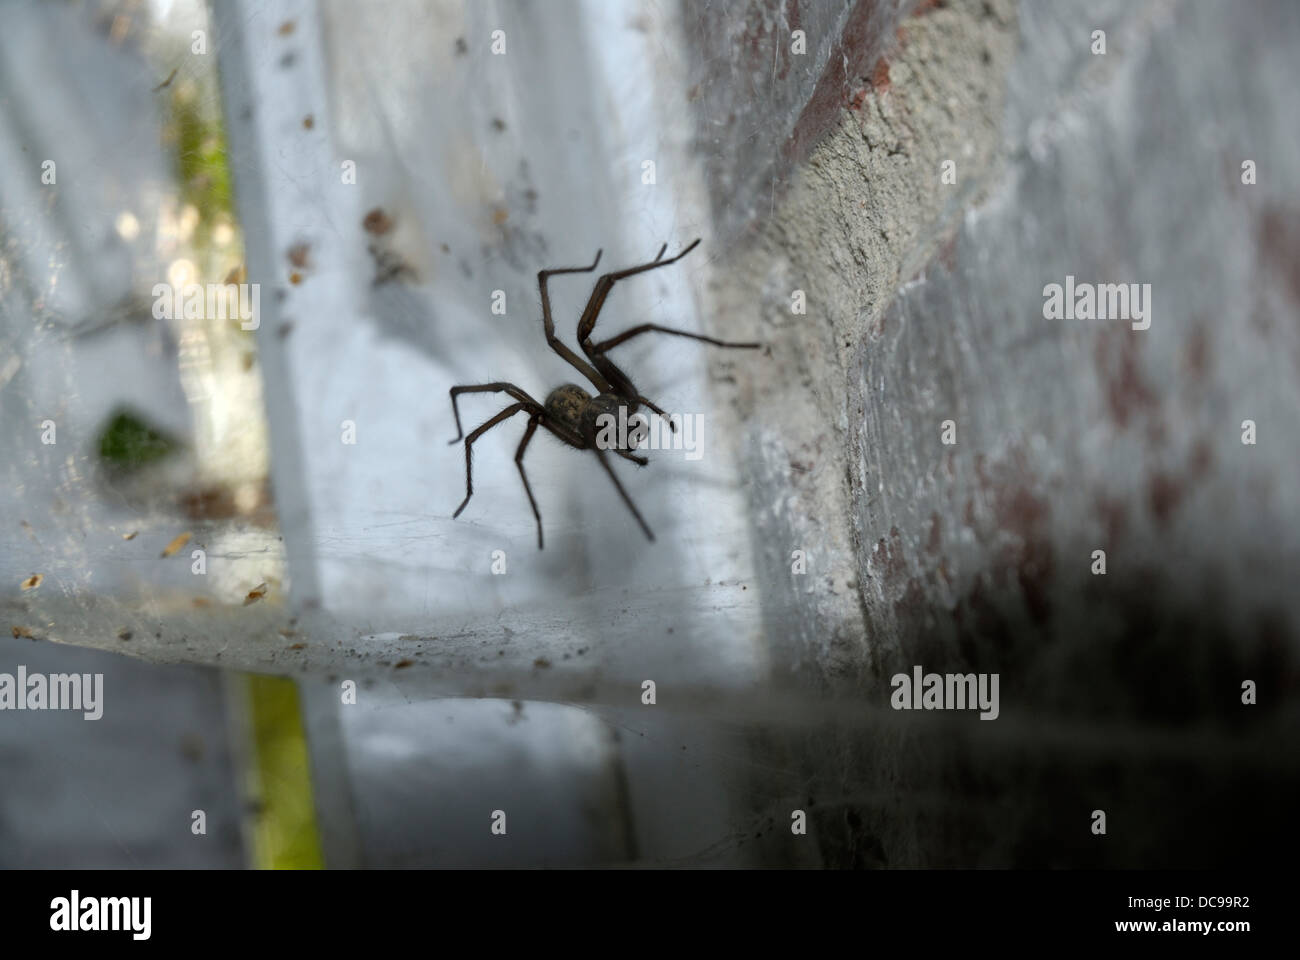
x,y
863,210
925,302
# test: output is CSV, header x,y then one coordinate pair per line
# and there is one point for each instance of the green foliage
x,y
128,442
203,169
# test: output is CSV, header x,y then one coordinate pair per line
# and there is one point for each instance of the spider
x,y
570,413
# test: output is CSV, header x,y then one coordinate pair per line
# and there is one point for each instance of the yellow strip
x,y
285,835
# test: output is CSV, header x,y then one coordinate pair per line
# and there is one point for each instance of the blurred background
x,y
244,522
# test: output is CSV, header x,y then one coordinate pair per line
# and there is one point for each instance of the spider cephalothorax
x,y
570,413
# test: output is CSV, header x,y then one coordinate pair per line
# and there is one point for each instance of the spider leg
x,y
505,414
619,382
647,327
503,387
600,348
606,283
600,455
655,409
586,369
519,462
639,461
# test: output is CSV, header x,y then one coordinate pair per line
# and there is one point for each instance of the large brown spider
x,y
570,412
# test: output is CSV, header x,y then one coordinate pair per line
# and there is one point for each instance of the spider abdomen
x,y
579,414
565,405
